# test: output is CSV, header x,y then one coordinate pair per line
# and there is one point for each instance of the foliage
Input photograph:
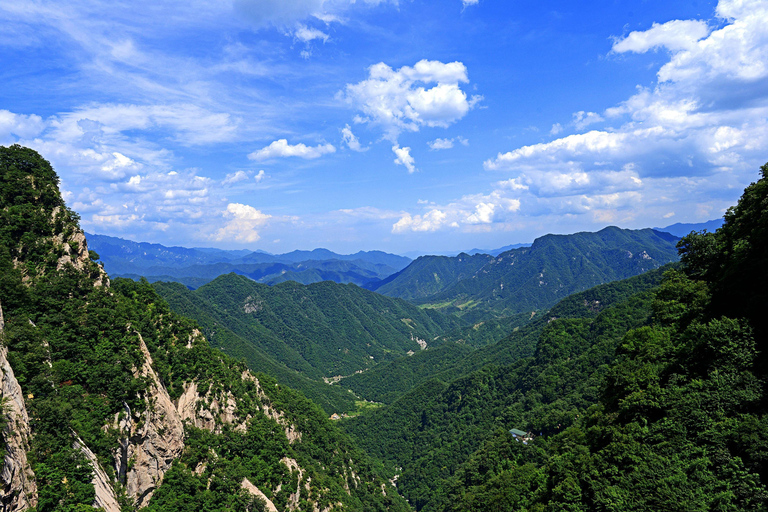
x,y
75,346
530,278
657,403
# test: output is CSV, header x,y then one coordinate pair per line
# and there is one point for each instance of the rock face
x,y
76,254
105,494
150,440
254,491
209,412
17,478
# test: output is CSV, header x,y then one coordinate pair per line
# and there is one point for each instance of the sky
x,y
398,125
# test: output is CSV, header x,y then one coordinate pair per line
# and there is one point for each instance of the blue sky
x,y
410,125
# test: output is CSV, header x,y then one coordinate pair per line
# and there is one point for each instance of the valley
x,y
237,394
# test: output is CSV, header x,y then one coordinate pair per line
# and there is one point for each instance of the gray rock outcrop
x,y
150,440
16,477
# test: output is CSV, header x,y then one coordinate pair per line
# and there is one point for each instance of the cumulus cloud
x,y
674,35
695,137
307,34
403,157
351,141
260,176
281,149
469,213
431,221
439,144
20,125
556,129
427,94
583,119
235,177
242,223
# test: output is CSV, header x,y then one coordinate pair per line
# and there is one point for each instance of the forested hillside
x,y
386,383
656,403
480,288
322,330
112,400
429,275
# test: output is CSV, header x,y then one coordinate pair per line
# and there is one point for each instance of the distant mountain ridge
x,y
681,229
197,266
480,287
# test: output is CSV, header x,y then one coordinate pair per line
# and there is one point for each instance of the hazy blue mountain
x,y
496,252
195,267
681,229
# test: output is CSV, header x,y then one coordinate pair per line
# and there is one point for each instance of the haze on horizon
x,y
410,125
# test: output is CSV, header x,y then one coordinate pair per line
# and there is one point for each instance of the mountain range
x,y
196,267
644,393
483,287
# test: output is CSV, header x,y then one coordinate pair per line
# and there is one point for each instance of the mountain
x,y
496,252
195,267
112,401
656,402
321,330
428,275
681,229
482,287
456,358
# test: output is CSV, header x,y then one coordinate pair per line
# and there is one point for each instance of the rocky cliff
x,y
17,478
122,405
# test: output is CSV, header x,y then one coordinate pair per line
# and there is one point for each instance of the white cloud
x,y
188,124
351,141
260,176
556,129
281,148
235,177
402,100
674,35
466,3
307,34
19,125
287,12
438,144
242,224
468,213
583,119
403,157
431,221
483,214
694,138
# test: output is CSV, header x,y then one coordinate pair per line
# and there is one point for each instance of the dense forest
x,y
646,393
114,401
656,403
480,288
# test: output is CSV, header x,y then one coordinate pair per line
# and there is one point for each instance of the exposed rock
x,y
291,431
295,498
106,498
16,477
208,412
151,440
76,253
255,491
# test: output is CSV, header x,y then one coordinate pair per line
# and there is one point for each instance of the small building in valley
x,y
520,435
